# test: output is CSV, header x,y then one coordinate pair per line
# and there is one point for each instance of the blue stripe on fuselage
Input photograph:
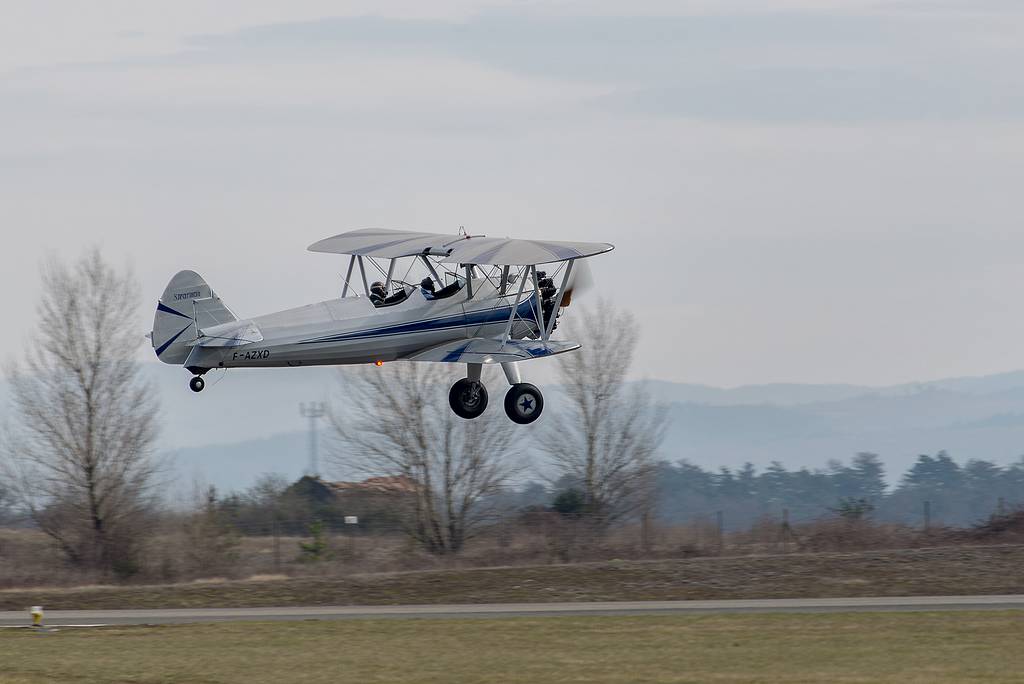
x,y
525,311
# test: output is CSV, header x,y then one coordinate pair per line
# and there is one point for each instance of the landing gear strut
x,y
468,397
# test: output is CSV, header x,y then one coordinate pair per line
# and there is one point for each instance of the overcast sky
x,y
808,191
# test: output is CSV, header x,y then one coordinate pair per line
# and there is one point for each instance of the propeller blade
x,y
581,281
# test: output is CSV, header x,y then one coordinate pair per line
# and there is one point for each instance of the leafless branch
x,y
80,444
606,438
395,420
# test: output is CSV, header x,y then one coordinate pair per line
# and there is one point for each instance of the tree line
x,y
955,494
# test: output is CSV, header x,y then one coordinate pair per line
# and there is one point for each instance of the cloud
x,y
839,96
794,66
837,65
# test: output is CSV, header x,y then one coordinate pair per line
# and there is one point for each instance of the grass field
x,y
845,647
909,572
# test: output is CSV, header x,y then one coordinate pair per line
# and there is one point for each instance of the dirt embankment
x,y
931,571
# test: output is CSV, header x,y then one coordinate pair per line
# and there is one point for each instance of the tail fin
x,y
187,306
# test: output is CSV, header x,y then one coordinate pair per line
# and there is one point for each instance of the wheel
x,y
524,403
468,398
197,384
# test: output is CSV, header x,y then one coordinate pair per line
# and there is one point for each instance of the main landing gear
x,y
523,402
468,396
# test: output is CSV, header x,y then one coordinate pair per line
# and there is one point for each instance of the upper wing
x,y
384,243
460,249
510,252
488,350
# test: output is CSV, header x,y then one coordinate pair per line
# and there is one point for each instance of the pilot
x,y
377,293
427,287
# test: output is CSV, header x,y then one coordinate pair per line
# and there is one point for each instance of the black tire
x,y
523,403
468,398
196,384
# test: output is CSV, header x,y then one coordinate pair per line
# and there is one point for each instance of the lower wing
x,y
488,350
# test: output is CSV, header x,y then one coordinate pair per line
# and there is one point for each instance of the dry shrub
x,y
1004,528
842,534
766,535
29,558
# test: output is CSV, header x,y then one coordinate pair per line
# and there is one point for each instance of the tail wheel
x,y
524,403
196,384
468,398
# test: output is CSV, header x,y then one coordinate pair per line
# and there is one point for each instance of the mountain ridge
x,y
245,424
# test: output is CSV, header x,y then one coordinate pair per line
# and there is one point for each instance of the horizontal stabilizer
x,y
229,335
488,350
186,307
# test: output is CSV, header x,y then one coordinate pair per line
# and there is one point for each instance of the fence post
x,y
927,515
645,531
720,525
277,543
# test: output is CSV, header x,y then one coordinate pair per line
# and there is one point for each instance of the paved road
x,y
495,610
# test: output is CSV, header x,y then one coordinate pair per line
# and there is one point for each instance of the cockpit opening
x,y
379,296
430,292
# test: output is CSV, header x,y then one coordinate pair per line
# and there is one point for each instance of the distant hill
x,y
245,424
778,395
236,465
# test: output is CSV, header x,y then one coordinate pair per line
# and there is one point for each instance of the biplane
x,y
480,300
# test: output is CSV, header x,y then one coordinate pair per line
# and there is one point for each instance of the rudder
x,y
187,305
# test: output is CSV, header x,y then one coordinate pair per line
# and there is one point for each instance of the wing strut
x,y
538,308
391,272
430,267
362,272
515,307
348,276
558,302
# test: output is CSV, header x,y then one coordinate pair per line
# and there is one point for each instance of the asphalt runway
x,y
58,618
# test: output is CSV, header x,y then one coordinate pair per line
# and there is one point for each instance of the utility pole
x,y
314,411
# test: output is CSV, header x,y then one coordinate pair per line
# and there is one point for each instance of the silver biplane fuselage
x,y
501,311
352,330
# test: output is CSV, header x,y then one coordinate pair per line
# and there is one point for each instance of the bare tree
x,y
395,421
6,504
604,440
84,421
